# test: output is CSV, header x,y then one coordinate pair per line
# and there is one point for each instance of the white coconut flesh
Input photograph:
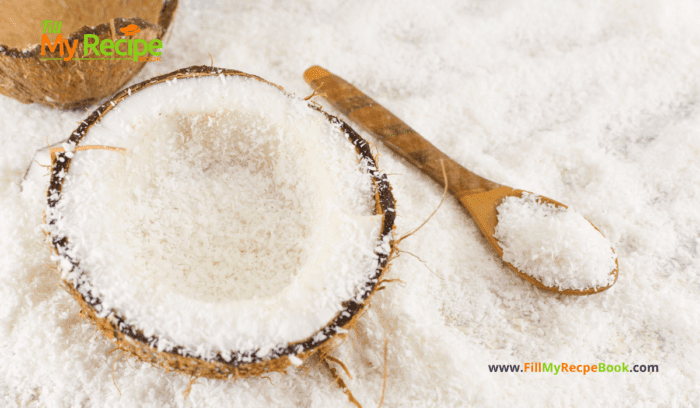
x,y
240,219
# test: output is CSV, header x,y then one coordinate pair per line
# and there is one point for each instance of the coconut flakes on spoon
x,y
553,244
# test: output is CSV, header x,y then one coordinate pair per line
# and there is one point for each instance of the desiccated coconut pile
x,y
239,218
601,98
555,245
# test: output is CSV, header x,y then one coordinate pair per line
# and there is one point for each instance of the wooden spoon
x,y
478,195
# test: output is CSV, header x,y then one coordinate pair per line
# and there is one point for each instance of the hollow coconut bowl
x,y
30,77
210,223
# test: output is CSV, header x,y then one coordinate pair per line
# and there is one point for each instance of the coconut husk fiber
x,y
242,363
72,84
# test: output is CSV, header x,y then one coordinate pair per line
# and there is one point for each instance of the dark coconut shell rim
x,y
385,205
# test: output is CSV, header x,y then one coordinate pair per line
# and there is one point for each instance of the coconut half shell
x,y
240,364
73,84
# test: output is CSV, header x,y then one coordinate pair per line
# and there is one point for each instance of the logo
x,y
94,49
131,29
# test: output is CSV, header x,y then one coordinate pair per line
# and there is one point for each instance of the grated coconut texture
x,y
555,245
593,104
159,243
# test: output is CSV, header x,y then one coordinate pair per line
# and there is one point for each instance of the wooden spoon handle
x,y
393,132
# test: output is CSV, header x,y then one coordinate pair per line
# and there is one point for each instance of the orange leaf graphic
x,y
131,29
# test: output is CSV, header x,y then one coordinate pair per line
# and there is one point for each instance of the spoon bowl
x,y
480,197
483,206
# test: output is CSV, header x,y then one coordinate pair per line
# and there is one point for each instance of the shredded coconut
x,y
555,245
594,103
239,219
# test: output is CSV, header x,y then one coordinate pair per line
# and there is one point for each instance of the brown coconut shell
x,y
72,84
132,339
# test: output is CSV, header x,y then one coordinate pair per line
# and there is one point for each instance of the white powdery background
x,y
593,104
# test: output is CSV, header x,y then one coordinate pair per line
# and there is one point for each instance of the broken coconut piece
x,y
242,230
30,77
555,245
